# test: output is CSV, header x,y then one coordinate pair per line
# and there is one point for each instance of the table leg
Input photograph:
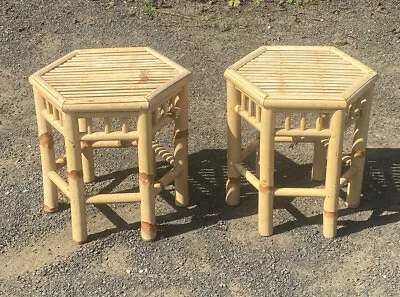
x,y
87,154
360,137
234,145
333,171
267,160
181,148
75,179
146,177
320,149
47,154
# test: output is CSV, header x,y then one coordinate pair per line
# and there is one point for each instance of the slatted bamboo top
x,y
279,73
109,79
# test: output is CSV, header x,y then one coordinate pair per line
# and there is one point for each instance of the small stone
x,y
128,271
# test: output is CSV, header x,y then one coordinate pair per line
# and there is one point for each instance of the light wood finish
x,y
234,145
87,154
298,81
181,148
266,188
332,180
46,145
319,157
360,138
75,179
83,96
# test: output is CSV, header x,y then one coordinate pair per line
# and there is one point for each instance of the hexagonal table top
x,y
115,78
301,73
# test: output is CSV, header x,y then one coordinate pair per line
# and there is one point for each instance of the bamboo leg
x,y
146,177
47,155
75,179
319,158
266,189
181,148
358,151
332,186
87,154
234,145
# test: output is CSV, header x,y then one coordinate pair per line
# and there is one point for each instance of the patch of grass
x,y
148,6
236,3
295,2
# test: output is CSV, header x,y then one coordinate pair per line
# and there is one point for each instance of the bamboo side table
x,y
118,97
328,91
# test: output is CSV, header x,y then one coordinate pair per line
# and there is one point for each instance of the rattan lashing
x,y
131,84
301,80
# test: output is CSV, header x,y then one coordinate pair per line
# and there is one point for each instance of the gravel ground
x,y
207,249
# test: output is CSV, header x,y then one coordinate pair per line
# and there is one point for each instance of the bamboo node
x,y
264,188
180,134
146,179
330,214
148,227
233,181
84,143
46,140
75,174
162,186
50,209
359,154
125,143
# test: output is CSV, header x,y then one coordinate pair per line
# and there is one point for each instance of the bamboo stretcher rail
x,y
300,192
295,192
167,179
249,149
250,177
61,162
303,133
113,198
114,135
59,182
348,175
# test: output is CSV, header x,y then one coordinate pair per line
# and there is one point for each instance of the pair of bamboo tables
x,y
121,97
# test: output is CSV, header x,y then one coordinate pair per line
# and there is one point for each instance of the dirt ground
x,y
207,249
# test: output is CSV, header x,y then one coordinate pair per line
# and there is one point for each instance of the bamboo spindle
x,y
181,148
360,138
75,179
266,189
107,125
146,177
234,145
303,121
319,157
288,122
243,101
56,115
125,125
87,154
332,183
47,154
